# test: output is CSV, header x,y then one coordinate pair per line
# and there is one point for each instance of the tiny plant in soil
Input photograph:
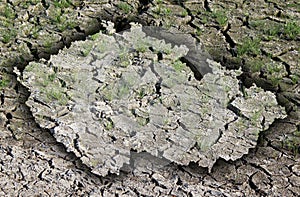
x,y
255,65
295,78
123,91
272,30
95,36
141,93
8,35
199,31
87,50
292,30
56,95
4,81
51,77
250,47
125,7
178,65
184,13
62,3
35,32
124,58
292,144
66,23
220,17
141,47
34,2
9,12
109,124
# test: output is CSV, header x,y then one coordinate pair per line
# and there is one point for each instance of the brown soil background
x,y
246,34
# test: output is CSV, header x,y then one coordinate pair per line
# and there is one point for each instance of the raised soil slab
x,y
121,92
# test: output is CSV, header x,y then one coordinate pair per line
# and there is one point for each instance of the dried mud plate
x,y
121,92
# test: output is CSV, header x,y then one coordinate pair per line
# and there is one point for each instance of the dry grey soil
x,y
260,36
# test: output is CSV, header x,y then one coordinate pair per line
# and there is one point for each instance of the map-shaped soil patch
x,y
121,92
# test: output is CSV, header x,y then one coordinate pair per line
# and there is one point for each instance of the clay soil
x,y
261,37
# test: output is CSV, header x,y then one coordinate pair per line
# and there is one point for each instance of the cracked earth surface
x,y
33,164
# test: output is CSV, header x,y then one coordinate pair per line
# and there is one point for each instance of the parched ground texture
x,y
261,37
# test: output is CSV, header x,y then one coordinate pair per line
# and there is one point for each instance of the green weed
x,y
293,143
65,23
108,95
255,117
255,65
167,11
142,121
62,3
4,81
7,31
44,78
56,94
142,48
250,47
123,90
125,7
199,31
8,35
95,36
124,57
109,124
32,67
52,77
178,65
35,32
141,45
8,12
293,5
48,44
184,13
220,17
163,11
291,30
34,2
295,78
274,72
270,29
87,49
141,93
204,17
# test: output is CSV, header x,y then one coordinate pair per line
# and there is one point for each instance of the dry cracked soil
x,y
261,37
